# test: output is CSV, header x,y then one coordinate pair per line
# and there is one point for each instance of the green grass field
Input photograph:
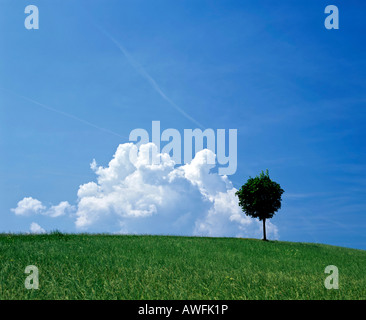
x,y
168,267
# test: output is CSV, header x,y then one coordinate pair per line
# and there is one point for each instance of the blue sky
x,y
295,91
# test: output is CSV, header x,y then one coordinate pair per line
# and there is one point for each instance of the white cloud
x,y
142,197
28,206
61,209
134,194
36,228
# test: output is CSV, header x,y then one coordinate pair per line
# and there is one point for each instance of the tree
x,y
260,198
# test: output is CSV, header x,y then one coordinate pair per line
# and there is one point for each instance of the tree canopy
x,y
260,197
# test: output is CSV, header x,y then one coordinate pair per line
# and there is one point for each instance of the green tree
x,y
260,198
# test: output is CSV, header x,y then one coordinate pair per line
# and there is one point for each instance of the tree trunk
x,y
264,230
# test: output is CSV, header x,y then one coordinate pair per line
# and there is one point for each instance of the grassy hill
x,y
168,267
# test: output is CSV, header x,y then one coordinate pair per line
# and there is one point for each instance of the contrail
x,y
149,78
68,115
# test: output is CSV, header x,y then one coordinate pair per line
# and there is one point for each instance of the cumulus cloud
x,y
143,192
36,228
59,210
29,206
